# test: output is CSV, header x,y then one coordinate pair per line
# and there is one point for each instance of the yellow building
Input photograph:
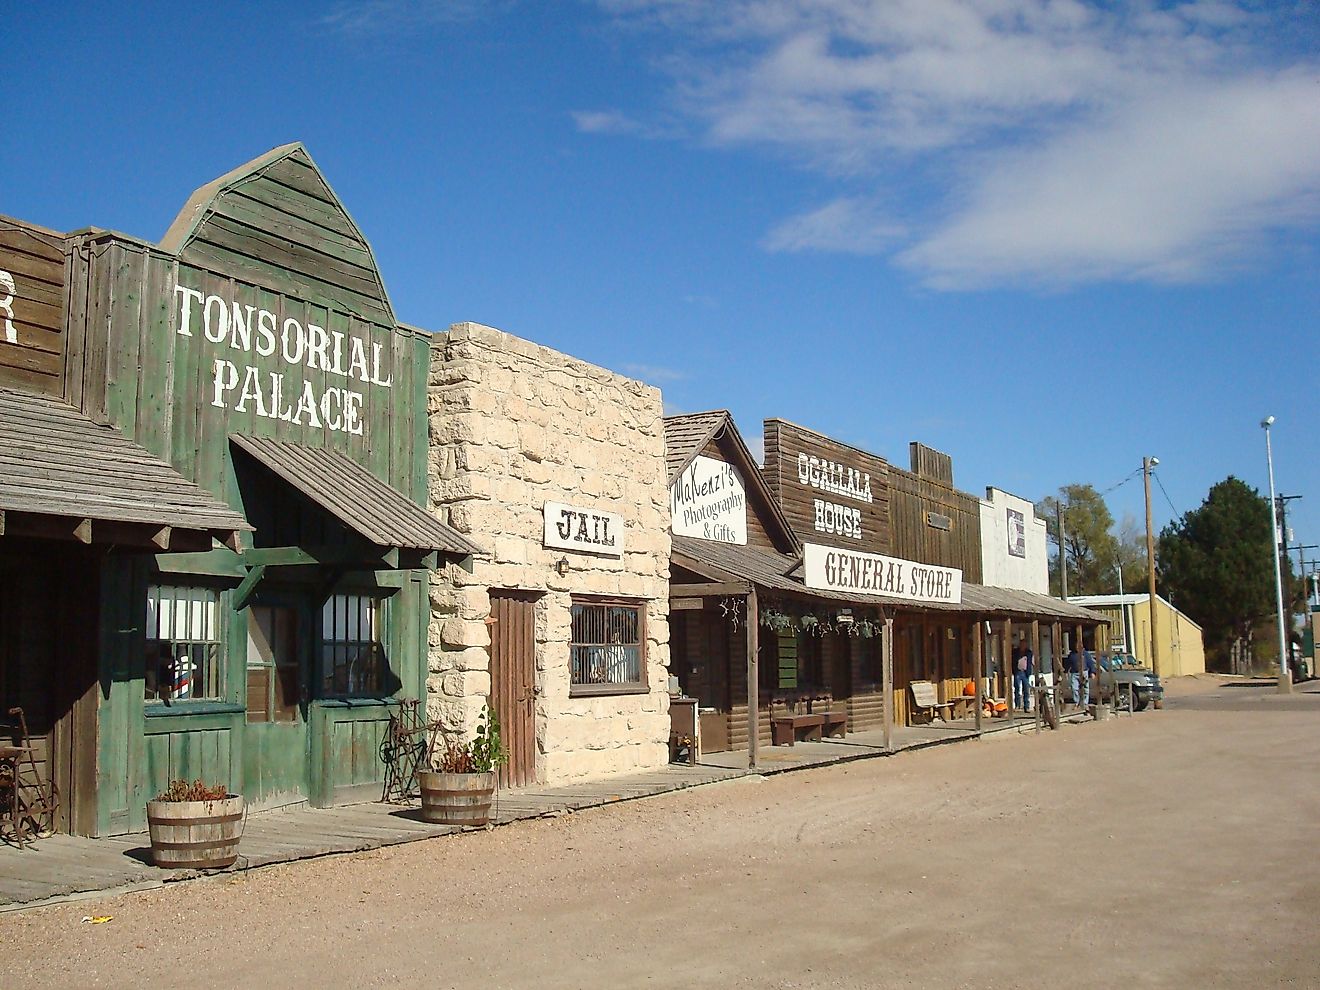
x,y
1182,650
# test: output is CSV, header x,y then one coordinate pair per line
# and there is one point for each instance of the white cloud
x,y
364,18
1173,188
604,122
1040,141
847,224
654,374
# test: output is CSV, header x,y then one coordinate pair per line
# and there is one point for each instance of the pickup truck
x,y
1118,675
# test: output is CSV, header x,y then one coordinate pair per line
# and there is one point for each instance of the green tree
x,y
1090,548
1215,561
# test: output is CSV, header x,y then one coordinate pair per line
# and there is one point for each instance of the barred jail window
x,y
606,651
184,648
352,655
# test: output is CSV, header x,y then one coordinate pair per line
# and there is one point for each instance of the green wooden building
x,y
213,455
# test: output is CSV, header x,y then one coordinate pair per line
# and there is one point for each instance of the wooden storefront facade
x,y
820,646
264,415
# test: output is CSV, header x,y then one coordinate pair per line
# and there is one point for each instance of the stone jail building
x,y
555,469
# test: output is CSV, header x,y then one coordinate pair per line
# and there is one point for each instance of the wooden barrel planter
x,y
195,835
457,798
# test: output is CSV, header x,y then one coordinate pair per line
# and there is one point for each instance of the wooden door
x,y
513,681
49,615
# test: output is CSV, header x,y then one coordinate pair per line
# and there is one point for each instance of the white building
x,y
1014,553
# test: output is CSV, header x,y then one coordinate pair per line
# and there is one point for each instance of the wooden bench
x,y
836,724
926,701
785,726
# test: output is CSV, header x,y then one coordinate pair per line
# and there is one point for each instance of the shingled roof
x,y
687,435
376,511
54,461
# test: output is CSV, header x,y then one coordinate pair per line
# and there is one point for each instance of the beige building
x,y
1181,649
555,469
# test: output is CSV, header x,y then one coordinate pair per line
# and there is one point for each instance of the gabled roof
x,y
277,217
54,461
376,511
688,435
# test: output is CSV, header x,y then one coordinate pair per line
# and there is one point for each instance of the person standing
x,y
1087,674
1022,677
1074,666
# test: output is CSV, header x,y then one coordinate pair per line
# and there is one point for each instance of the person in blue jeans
x,y
1087,674
1074,665
1022,664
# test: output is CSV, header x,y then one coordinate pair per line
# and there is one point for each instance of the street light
x,y
1147,465
1285,682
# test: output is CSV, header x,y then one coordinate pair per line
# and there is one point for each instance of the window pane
x,y
352,656
606,647
184,656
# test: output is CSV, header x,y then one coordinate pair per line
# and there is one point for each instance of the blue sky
x,y
1046,237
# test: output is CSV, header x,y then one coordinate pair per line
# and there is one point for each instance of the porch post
x,y
1035,648
1077,701
887,682
753,679
978,670
1006,662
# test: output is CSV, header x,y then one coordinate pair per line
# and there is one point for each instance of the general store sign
x,y
837,569
708,501
250,340
571,527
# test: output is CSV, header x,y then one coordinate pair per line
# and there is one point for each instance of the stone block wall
x,y
512,426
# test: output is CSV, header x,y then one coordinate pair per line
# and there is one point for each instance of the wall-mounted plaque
x,y
571,527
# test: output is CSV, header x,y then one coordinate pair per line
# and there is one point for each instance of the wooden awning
x,y
778,572
378,512
64,476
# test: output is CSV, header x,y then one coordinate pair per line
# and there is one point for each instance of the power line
x,y
1176,513
1114,488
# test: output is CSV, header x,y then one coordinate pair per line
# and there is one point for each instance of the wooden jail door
x,y
513,681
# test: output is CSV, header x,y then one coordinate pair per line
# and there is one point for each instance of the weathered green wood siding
x,y
277,241
160,385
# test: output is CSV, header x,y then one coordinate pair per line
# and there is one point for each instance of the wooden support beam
x,y
1040,666
2,522
217,563
336,556
161,538
753,679
233,540
887,682
711,588
248,587
978,669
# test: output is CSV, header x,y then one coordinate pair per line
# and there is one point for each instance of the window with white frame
x,y
352,655
184,648
606,653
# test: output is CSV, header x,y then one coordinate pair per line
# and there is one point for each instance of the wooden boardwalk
x,y
65,866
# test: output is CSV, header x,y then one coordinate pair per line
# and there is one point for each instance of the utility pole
x,y
1281,553
1147,463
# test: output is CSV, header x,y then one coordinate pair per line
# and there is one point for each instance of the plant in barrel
x,y
195,826
460,788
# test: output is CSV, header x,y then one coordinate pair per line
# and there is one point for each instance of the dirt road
x,y
1174,849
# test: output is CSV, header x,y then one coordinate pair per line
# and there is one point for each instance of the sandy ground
x,y
1173,849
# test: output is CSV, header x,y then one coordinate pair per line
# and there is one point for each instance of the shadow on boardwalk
x,y
64,867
